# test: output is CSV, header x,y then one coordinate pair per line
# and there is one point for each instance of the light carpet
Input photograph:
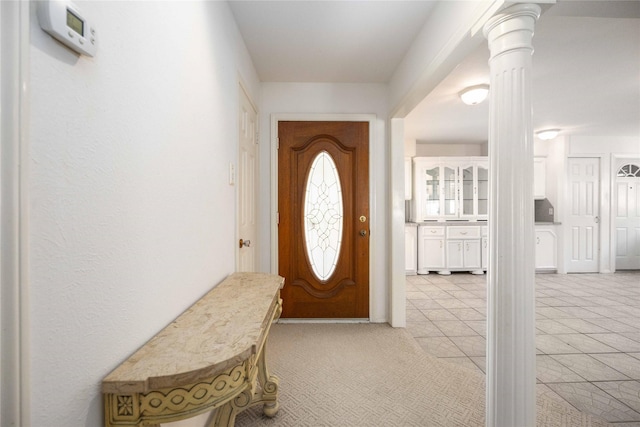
x,y
375,375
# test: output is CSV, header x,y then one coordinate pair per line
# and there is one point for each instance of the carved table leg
x,y
269,384
226,414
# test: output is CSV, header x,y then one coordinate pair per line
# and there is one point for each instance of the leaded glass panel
x,y
323,216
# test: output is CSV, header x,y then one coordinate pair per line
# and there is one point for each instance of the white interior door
x,y
247,187
627,208
584,215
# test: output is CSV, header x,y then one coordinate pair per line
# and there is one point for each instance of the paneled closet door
x,y
583,221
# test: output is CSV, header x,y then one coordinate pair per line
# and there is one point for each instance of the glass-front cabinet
x,y
450,188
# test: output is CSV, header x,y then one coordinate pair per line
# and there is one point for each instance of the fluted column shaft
x,y
511,375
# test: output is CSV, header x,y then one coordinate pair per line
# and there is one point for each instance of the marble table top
x,y
219,331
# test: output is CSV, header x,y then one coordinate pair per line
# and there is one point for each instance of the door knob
x,y
363,233
245,243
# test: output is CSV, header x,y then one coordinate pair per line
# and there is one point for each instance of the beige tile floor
x,y
588,334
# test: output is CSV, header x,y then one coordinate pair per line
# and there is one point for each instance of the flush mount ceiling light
x,y
547,134
475,94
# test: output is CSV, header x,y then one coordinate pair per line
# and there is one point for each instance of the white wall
x,y
327,98
132,217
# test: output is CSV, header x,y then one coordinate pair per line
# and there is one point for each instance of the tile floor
x,y
588,334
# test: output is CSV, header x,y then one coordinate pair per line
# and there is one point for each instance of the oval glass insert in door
x,y
323,216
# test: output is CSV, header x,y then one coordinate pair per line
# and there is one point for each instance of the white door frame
x,y
373,182
612,206
14,299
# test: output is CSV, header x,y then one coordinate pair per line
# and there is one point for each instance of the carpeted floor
x,y
374,375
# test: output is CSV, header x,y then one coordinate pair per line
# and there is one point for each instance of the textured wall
x,y
132,217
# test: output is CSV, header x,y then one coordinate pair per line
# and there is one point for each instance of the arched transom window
x,y
629,171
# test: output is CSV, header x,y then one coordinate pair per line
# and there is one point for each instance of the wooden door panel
x,y
345,293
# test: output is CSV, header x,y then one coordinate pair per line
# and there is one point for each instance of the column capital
x,y
521,10
518,22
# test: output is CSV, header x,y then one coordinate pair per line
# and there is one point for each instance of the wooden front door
x,y
323,231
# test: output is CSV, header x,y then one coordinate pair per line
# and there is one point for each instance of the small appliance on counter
x,y
544,211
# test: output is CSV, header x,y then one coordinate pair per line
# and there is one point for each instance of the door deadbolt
x,y
363,218
363,233
246,243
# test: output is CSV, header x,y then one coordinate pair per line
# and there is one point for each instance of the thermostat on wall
x,y
64,21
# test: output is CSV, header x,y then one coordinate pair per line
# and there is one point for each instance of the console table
x,y
212,356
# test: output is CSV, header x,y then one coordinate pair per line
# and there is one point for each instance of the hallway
x,y
588,334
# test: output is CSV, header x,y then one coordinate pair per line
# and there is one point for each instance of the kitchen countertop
x,y
463,223
436,223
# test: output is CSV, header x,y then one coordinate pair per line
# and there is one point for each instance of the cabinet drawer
x,y
458,232
432,231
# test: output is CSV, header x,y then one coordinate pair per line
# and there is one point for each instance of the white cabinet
x,y
464,248
539,178
464,255
546,248
411,249
450,188
447,248
431,249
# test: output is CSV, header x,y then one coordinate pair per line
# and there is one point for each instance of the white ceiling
x,y
586,72
328,41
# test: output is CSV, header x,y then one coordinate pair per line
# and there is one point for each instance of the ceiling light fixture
x,y
547,134
475,94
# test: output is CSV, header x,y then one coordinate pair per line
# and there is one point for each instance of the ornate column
x,y
511,375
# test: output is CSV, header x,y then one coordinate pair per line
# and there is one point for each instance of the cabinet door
x,y
455,254
472,254
431,195
485,253
410,249
467,191
434,254
482,189
546,249
450,191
